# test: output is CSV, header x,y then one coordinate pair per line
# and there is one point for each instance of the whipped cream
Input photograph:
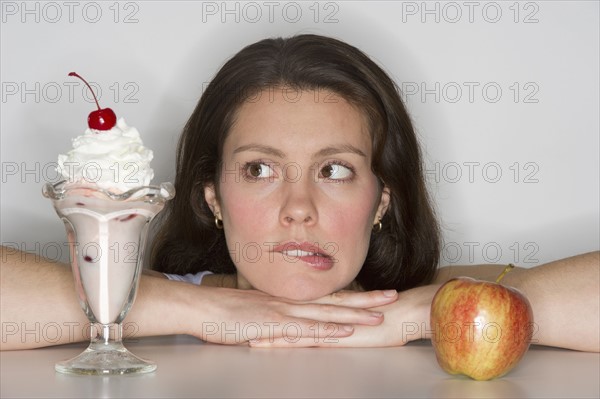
x,y
115,160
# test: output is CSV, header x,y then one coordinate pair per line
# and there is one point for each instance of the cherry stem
x,y
88,85
506,270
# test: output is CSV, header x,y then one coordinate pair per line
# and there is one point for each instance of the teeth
x,y
298,253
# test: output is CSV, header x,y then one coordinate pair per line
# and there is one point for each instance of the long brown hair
x,y
403,255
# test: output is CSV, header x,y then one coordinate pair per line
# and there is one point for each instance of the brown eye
x,y
336,172
255,170
258,170
327,171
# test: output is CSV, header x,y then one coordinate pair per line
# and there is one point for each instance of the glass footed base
x,y
108,359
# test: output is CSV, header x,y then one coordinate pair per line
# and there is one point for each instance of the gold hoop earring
x,y
218,223
377,227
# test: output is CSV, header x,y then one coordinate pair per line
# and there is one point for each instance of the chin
x,y
302,296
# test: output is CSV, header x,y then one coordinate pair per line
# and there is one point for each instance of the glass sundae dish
x,y
106,214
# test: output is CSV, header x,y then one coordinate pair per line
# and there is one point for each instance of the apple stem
x,y
506,270
88,85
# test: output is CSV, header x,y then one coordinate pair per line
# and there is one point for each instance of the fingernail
x,y
348,328
389,293
254,341
376,314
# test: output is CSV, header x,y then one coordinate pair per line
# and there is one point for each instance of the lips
x,y
306,252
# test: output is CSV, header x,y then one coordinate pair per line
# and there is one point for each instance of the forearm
x,y
39,305
38,302
564,296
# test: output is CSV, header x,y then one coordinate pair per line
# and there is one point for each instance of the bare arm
x,y
564,296
39,308
36,296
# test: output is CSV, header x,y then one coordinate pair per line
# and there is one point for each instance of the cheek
x,y
243,215
349,222
351,213
352,219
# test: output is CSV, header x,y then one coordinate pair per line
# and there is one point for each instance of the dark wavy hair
x,y
403,255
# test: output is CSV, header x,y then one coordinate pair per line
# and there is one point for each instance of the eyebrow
x,y
344,148
327,151
265,149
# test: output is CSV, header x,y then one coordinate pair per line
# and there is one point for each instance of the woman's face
x,y
297,195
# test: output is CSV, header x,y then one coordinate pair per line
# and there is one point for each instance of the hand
x,y
240,316
405,319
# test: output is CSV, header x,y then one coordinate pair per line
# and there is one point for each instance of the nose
x,y
298,205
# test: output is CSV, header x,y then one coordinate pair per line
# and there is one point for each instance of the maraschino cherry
x,y
102,118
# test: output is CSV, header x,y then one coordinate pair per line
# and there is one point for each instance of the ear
x,y
210,196
384,203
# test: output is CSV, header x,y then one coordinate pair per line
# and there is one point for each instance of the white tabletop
x,y
190,368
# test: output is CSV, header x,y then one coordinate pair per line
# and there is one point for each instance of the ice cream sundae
x,y
106,204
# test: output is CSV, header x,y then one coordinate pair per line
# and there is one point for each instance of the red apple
x,y
480,329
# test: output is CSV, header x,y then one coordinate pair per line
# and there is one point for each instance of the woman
x,y
299,176
290,111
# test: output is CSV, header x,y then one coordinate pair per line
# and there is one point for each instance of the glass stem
x,y
106,335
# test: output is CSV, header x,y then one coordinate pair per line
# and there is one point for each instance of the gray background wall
x,y
504,96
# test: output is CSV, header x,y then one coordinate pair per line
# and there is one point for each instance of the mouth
x,y
310,254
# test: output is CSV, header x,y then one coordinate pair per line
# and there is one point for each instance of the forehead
x,y
291,118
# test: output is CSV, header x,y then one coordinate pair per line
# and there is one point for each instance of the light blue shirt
x,y
189,278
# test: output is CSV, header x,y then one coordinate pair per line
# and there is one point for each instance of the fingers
x,y
335,314
290,342
363,300
270,332
295,343
363,336
312,334
309,330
